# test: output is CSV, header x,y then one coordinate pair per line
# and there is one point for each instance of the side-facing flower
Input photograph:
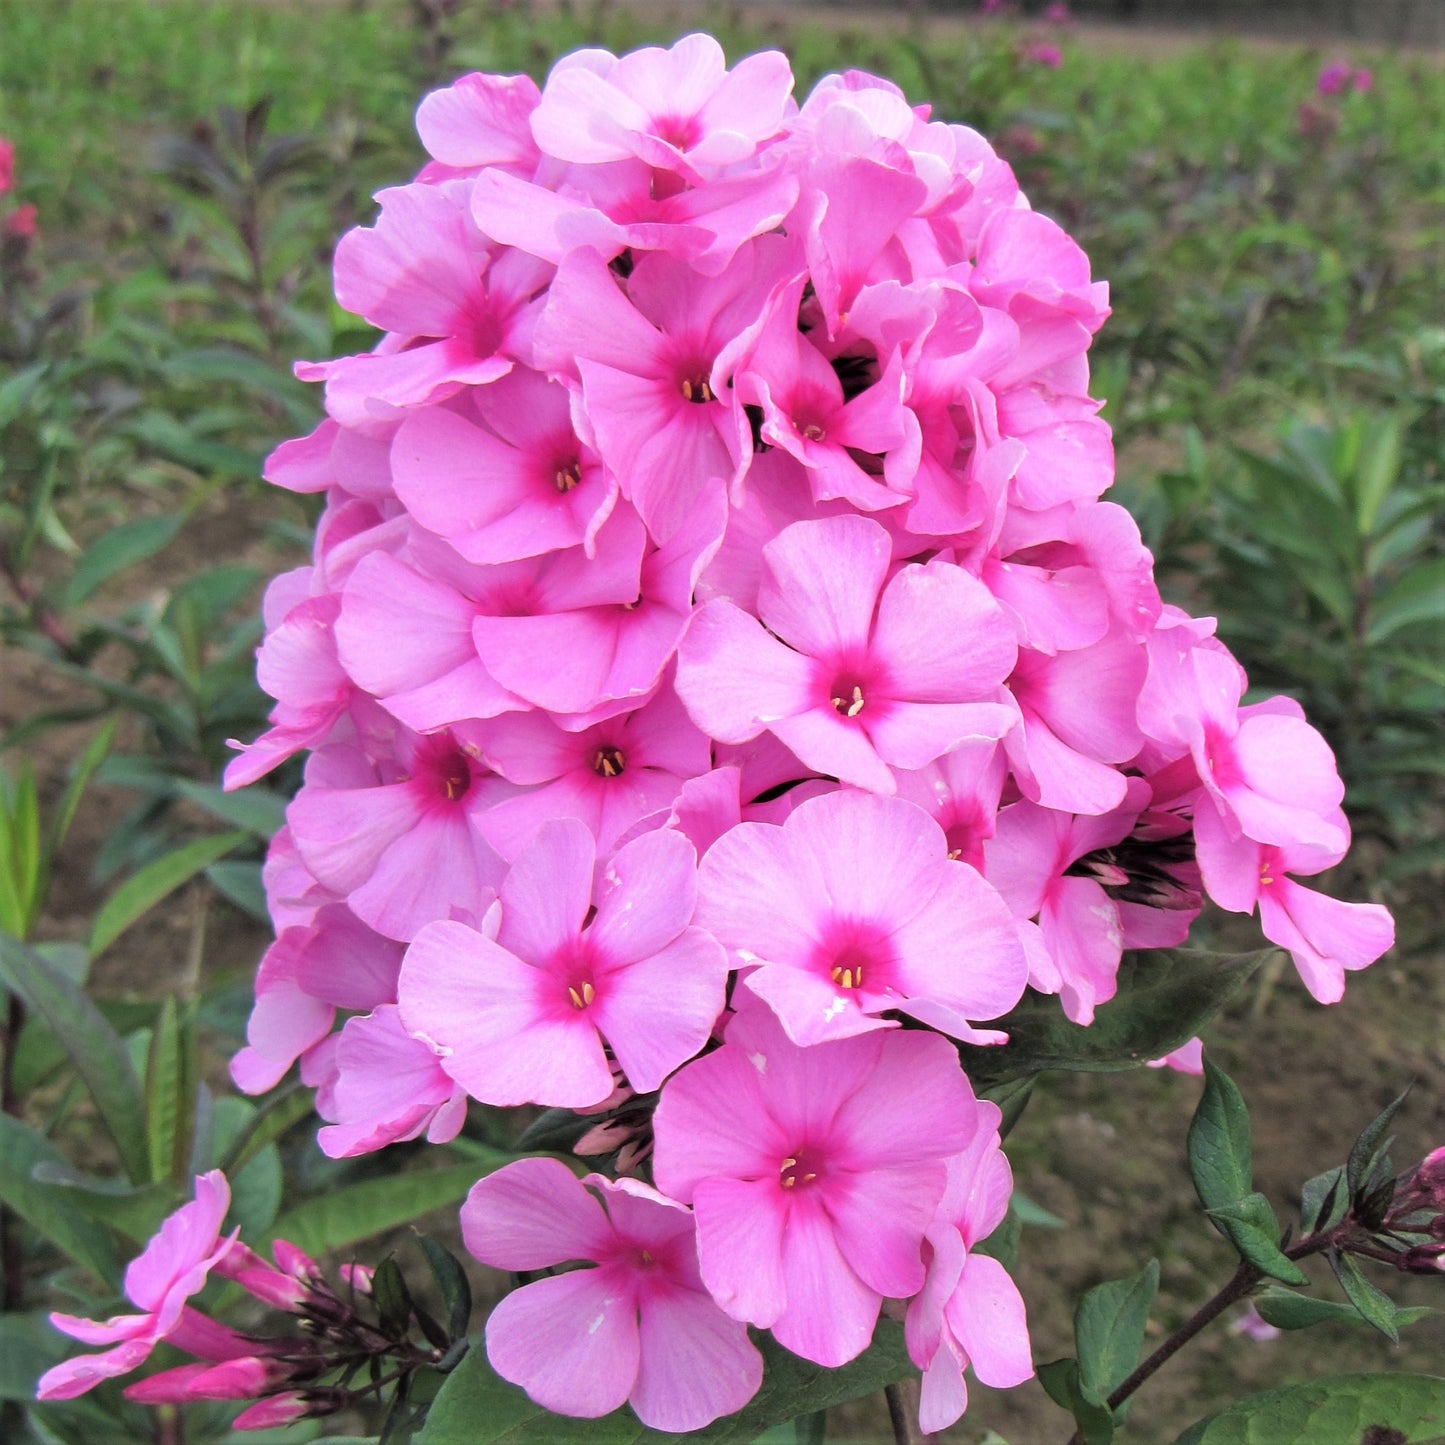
x,y
639,1327
159,1281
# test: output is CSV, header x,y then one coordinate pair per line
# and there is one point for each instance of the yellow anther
x,y
955,854
455,787
788,1181
687,391
577,1000
588,993
856,706
787,1164
808,1177
813,432
568,477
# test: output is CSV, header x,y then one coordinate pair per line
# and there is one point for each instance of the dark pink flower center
x,y
443,771
608,762
856,954
799,1169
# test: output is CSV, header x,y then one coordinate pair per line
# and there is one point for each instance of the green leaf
x,y
475,1407
1368,1147
90,760
1323,1201
1164,997
452,1284
258,810
133,1211
392,1298
344,1216
1418,596
1109,1331
270,1121
1060,1379
1286,1310
256,1184
21,1151
1375,1307
1012,1099
143,890
1378,468
29,1346
163,1091
1034,1216
1003,1243
1251,1227
1219,1142
1344,1410
241,884
118,549
94,1048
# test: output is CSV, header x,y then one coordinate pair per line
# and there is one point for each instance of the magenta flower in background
x,y
1043,52
7,166
639,1327
1333,78
813,1173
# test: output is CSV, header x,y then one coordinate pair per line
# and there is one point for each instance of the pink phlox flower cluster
x,y
714,599
1339,75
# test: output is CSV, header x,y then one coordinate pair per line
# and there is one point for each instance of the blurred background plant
x,y
178,177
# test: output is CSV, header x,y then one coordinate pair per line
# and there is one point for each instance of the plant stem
x,y
1243,1281
902,1397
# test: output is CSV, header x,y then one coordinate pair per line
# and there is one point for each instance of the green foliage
x,y
1164,997
1345,1410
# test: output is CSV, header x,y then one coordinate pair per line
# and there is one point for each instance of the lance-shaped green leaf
x,y
475,1407
133,1211
1370,1147
94,1048
1344,1410
270,1121
1286,1310
1220,1151
1164,997
1251,1227
452,1284
143,890
21,1151
1323,1201
341,1217
1109,1331
1376,1307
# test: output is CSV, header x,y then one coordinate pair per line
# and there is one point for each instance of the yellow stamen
x,y
568,477
687,390
588,993
575,997
856,706
787,1164
808,1177
955,854
788,1181
813,432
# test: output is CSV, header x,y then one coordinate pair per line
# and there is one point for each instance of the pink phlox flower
x,y
1188,1058
1030,267
1267,773
1034,860
173,1266
293,896
609,776
850,674
638,1327
389,1086
242,1378
457,311
23,222
1326,937
406,638
523,1019
7,165
481,121
815,908
400,839
1363,80
813,1173
521,486
806,412
1077,711
297,665
619,207
679,110
355,461
1333,78
576,652
333,962
647,364
969,1313
961,793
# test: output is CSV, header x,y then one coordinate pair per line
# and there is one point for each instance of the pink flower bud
x,y
271,1414
295,1262
359,1277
